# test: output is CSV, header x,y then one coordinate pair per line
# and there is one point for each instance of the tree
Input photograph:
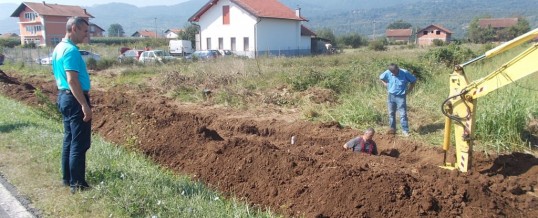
x,y
478,34
399,24
115,30
353,40
520,28
326,33
189,33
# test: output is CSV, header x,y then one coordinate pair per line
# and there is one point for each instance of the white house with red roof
x,y
44,23
252,28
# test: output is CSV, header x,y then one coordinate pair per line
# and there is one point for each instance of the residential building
x,y
497,23
172,33
96,31
45,24
399,35
432,32
252,28
144,34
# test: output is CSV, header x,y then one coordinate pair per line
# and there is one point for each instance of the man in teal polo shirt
x,y
73,83
396,80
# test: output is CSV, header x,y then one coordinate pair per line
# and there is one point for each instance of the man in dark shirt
x,y
363,143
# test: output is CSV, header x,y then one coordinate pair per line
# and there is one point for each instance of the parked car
x,y
203,55
86,55
155,56
226,52
132,54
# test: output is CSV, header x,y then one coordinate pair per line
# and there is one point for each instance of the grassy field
x,y
342,88
125,184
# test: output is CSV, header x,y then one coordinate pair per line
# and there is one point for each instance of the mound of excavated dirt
x,y
251,157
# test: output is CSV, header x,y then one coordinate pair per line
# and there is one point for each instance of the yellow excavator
x,y
460,106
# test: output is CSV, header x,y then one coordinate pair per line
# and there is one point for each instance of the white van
x,y
180,47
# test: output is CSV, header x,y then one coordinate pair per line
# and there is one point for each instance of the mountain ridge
x,y
362,16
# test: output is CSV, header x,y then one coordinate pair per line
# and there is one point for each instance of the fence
x,y
28,56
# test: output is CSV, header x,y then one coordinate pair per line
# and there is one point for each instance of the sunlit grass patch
x,y
125,183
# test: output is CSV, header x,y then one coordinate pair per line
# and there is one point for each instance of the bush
x,y
416,69
105,63
336,80
91,64
9,42
451,55
377,45
438,42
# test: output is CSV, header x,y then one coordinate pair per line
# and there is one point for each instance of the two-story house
x,y
44,24
432,32
252,28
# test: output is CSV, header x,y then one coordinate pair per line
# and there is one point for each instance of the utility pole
x,y
373,36
155,27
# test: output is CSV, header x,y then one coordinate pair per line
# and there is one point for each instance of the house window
x,y
221,43
33,29
425,32
226,14
30,15
245,44
437,32
208,40
232,43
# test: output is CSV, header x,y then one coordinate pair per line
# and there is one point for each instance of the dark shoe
x,y
79,188
65,183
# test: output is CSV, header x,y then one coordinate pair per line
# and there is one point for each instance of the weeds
x,y
47,107
125,184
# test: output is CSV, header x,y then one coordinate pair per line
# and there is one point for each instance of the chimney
x,y
298,12
44,3
85,11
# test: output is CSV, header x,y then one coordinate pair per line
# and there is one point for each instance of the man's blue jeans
x,y
77,139
398,102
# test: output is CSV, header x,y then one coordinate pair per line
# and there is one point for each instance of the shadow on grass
x,y
7,128
178,186
430,128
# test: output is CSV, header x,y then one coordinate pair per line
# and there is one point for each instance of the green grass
x,y
125,184
353,77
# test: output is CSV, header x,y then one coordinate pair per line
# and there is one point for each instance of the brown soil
x,y
251,157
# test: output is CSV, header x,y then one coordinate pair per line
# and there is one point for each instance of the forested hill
x,y
345,16
342,16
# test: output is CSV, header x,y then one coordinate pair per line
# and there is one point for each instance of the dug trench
x,y
251,157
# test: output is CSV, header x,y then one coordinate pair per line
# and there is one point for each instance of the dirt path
x,y
251,157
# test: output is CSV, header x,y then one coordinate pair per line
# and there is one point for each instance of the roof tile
x,y
53,9
497,22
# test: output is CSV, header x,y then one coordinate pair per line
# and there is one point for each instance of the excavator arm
x,y
460,106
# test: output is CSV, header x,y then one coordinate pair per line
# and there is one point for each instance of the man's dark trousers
x,y
77,139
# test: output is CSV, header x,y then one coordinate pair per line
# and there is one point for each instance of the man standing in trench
x,y
73,83
396,80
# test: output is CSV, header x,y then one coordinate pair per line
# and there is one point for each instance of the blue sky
x,y
139,3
